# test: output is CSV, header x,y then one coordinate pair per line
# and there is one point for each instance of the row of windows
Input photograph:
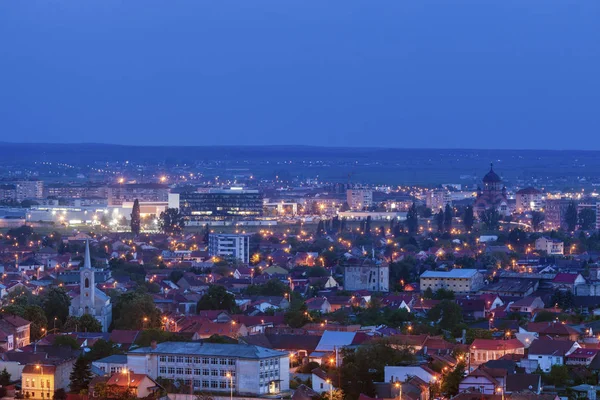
x,y
209,384
267,375
197,360
270,362
33,395
31,383
195,371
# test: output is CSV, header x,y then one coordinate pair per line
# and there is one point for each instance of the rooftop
x,y
211,349
455,273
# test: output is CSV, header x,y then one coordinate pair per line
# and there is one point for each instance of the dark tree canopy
x,y
81,375
136,221
171,221
217,298
469,218
571,216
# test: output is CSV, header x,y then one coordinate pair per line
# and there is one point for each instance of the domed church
x,y
90,299
493,195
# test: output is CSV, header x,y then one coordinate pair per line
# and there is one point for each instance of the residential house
x,y
18,327
42,380
112,364
523,383
483,350
526,305
484,380
401,373
548,352
472,308
581,357
555,330
322,381
141,385
319,304
550,246
567,281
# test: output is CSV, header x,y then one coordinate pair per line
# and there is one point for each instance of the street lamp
x,y
398,386
127,371
230,376
330,389
41,368
499,390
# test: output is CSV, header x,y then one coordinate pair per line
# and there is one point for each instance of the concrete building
x,y
143,192
550,246
40,381
437,199
367,274
112,364
555,212
250,370
484,350
529,199
232,245
218,204
457,280
359,199
29,189
18,328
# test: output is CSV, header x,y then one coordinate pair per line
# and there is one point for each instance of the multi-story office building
x,y
229,246
27,189
529,199
8,192
147,192
555,211
67,191
457,280
359,199
218,204
437,199
249,370
367,274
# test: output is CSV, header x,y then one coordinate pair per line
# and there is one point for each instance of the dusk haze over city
x,y
301,200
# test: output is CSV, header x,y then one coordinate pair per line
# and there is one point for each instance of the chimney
x,y
153,345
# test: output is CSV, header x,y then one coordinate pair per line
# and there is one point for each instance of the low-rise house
x,y
527,305
484,380
567,281
319,304
555,330
140,385
472,308
483,350
42,380
322,381
401,373
581,357
523,383
550,246
112,364
548,352
18,327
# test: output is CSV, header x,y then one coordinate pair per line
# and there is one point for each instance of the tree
x,y
587,219
368,226
4,378
571,216
448,314
452,380
439,220
136,310
136,221
66,340
490,218
81,375
448,214
56,304
60,394
428,293
469,218
37,317
85,323
172,221
559,375
101,348
217,298
412,219
536,220
335,394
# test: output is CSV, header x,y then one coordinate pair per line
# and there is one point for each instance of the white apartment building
x,y
457,280
438,198
250,370
550,246
358,199
371,275
230,245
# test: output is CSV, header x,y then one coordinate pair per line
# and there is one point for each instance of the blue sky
x,y
392,73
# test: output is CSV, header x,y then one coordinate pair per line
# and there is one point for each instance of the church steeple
x,y
87,284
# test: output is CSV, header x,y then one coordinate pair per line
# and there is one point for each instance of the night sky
x,y
393,73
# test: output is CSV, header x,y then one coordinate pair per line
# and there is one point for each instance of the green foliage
x,y
81,375
473,334
136,220
365,365
297,315
469,218
56,303
448,314
146,337
172,221
439,220
220,339
452,380
571,216
217,298
559,376
428,293
273,287
85,323
563,298
60,394
316,272
443,294
536,220
131,308
4,377
412,220
448,214
101,349
491,219
66,340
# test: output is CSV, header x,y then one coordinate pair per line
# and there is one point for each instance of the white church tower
x,y
90,299
87,284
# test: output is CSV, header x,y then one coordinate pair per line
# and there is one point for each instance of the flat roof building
x,y
458,280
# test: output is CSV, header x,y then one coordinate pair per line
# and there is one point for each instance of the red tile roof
x,y
491,344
